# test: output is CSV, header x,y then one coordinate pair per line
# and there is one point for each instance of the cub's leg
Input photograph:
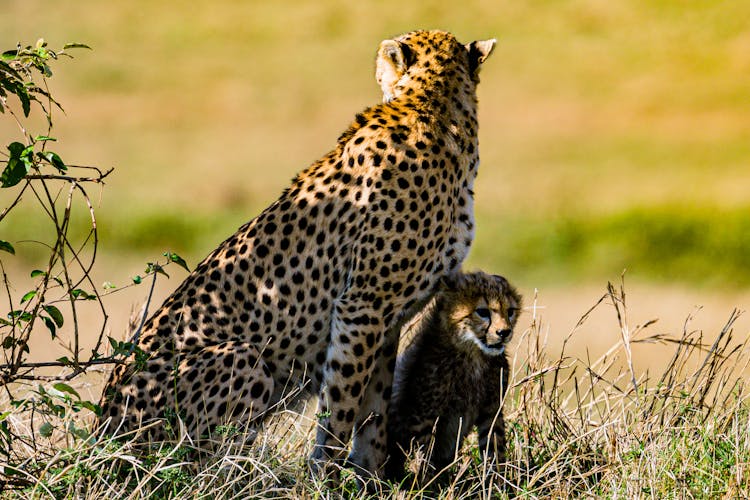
x,y
419,430
491,433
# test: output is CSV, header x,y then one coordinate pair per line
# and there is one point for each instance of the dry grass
x,y
577,427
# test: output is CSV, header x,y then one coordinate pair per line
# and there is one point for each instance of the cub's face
x,y
485,315
489,324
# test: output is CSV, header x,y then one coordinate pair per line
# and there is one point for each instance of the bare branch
x,y
99,178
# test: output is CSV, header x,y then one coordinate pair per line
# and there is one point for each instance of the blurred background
x,y
614,135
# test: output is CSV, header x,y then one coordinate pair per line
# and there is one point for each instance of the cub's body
x,y
454,373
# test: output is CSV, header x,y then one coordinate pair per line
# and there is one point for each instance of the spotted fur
x,y
314,288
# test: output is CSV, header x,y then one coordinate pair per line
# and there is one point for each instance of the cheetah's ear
x,y
392,61
479,51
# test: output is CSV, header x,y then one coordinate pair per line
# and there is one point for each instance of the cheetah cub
x,y
453,373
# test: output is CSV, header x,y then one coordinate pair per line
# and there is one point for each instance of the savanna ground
x,y
614,136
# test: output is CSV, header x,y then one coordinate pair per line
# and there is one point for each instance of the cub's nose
x,y
504,334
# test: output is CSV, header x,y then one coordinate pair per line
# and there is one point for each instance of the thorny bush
x,y
31,171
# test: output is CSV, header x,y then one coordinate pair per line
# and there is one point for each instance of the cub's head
x,y
480,309
421,58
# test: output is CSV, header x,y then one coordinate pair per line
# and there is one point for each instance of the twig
x,y
68,178
7,209
59,364
136,336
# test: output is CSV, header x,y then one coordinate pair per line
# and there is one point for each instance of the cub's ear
x,y
450,281
479,51
392,62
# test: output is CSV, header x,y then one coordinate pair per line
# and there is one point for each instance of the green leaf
x,y
64,360
25,99
91,406
20,315
155,268
10,54
7,247
38,272
56,161
74,45
137,280
55,313
82,294
46,429
53,392
28,296
42,138
50,325
177,260
66,388
25,104
16,168
27,156
8,342
80,433
19,90
9,70
107,285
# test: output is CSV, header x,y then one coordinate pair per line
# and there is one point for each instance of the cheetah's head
x,y
420,56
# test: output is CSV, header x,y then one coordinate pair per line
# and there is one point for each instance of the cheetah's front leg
x,y
356,339
369,442
369,446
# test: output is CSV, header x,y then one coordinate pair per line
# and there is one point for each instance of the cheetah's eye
x,y
483,312
512,311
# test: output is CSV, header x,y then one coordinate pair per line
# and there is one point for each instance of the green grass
x,y
666,244
688,245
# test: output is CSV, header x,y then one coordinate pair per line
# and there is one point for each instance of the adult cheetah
x,y
314,288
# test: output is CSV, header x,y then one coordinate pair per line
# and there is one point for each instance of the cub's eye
x,y
512,311
483,312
